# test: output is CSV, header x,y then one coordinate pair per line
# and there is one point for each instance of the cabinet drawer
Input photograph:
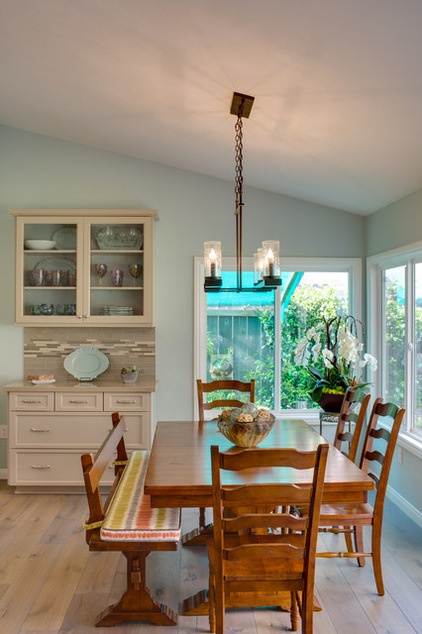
x,y
43,468
84,402
127,402
67,431
38,401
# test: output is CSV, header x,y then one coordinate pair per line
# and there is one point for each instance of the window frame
x,y
407,256
352,266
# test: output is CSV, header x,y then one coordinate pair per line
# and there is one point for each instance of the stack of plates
x,y
117,310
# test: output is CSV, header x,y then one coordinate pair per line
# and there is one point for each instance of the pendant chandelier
x,y
267,258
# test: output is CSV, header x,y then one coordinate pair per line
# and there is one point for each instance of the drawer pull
x,y
77,401
31,400
39,429
41,467
126,401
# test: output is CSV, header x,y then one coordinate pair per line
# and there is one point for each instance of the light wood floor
x,y
51,583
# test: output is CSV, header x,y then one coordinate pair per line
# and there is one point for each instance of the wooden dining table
x,y
179,471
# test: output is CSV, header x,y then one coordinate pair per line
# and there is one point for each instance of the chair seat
x,y
342,514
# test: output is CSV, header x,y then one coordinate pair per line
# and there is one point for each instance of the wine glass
x,y
100,270
135,270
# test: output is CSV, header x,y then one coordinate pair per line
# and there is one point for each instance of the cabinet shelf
x,y
39,289
117,288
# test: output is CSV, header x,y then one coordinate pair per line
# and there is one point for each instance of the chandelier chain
x,y
239,159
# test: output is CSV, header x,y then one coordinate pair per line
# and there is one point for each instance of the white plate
x,y
86,363
65,238
56,264
42,381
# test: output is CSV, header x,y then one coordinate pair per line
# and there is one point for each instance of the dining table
x,y
179,469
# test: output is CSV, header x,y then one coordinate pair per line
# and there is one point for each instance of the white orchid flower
x,y
302,353
311,333
316,349
371,361
328,356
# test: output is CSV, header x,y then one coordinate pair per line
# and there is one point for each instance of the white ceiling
x,y
337,117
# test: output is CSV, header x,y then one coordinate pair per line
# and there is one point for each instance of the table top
x,y
179,471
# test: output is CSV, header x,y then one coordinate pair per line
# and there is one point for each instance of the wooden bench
x,y
126,522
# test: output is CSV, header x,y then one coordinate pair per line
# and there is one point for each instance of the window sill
x,y
410,443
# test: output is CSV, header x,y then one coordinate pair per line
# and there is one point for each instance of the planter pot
x,y
331,402
130,377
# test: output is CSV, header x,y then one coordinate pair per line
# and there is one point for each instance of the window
x,y
395,291
236,334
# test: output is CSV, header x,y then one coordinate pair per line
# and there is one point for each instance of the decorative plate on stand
x,y
86,363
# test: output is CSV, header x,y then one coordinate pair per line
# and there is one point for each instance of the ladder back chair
x,y
235,389
231,397
352,414
377,454
259,551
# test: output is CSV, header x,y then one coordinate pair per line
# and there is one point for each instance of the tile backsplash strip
x,y
46,348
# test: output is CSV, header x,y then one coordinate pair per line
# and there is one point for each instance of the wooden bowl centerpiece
x,y
246,426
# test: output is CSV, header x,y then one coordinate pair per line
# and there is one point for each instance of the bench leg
x,y
136,604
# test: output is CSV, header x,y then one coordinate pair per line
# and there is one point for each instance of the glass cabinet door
x,y
48,263
119,270
89,268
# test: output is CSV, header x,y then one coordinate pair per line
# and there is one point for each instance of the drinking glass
x,y
135,270
100,270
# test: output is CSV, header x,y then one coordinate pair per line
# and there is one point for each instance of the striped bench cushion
x,y
130,516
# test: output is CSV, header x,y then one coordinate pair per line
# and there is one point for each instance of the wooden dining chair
x,y
232,389
259,552
219,394
350,422
377,454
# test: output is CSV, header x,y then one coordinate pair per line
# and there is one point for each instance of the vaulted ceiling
x,y
337,117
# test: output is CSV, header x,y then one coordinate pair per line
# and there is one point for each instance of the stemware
x,y
100,270
135,270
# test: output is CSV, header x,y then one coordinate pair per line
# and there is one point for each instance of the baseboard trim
x,y
405,506
3,474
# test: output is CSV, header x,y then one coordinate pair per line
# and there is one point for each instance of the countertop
x,y
143,384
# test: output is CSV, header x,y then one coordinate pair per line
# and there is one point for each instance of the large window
x,y
254,335
395,291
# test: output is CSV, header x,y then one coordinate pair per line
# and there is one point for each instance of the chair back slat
x,y
234,387
352,414
383,429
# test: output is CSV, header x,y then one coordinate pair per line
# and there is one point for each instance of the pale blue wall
x,y
397,225
38,171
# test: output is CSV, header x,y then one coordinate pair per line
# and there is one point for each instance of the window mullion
x,y
277,350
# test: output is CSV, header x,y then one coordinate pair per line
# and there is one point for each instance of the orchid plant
x,y
334,355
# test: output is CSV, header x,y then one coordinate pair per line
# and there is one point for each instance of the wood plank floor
x,y
51,583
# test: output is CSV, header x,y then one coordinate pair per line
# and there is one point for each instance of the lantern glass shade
x,y
212,259
271,249
258,265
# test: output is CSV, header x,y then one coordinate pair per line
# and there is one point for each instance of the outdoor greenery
x,y
395,323
306,306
